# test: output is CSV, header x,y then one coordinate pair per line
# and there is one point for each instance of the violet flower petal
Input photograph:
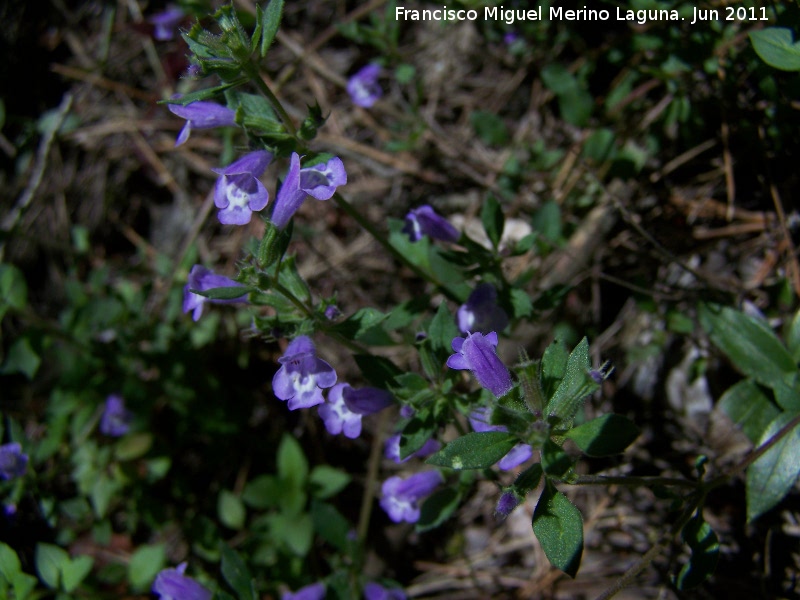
x,y
363,86
172,584
424,221
13,463
337,416
116,419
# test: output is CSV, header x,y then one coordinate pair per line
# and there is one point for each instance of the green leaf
x,y
144,565
574,102
13,289
703,542
377,370
9,561
754,349
206,94
437,508
270,20
477,450
262,492
231,510
235,572
749,407
576,385
102,491
493,220
419,429
49,561
604,436
777,48
23,584
133,446
231,292
291,462
554,366
773,475
358,324
295,531
489,127
327,481
331,525
528,480
21,358
75,571
558,526
442,329
793,338
556,462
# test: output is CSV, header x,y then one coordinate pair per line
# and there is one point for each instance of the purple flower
x,y
13,462
476,352
202,279
401,496
201,115
480,420
363,86
337,417
166,22
315,591
506,504
367,400
375,591
172,584
116,419
510,37
238,191
424,221
346,405
302,375
391,449
481,312
332,312
319,181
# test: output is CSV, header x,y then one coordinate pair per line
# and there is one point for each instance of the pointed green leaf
x,y
754,349
793,338
419,429
231,510
223,293
262,492
235,572
437,508
327,481
377,370
558,526
331,525
773,475
777,48
270,22
477,450
493,220
9,561
49,560
443,329
291,462
574,387
145,564
604,436
703,542
749,407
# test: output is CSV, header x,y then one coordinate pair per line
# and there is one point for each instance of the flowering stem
x,y
383,240
252,71
372,475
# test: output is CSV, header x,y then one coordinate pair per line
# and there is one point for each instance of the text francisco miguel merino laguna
x,y
510,15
